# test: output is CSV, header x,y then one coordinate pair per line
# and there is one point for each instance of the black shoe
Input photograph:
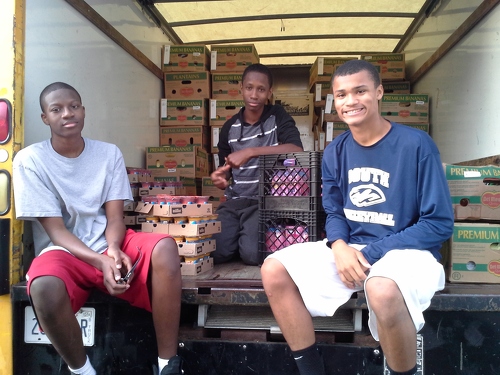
x,y
174,367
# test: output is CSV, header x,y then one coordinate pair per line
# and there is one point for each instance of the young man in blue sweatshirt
x,y
388,212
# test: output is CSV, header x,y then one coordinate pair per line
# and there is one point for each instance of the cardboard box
x,y
233,58
298,105
209,189
183,112
183,58
129,220
181,136
334,129
214,143
226,86
321,90
396,87
392,65
423,127
193,269
174,210
143,192
193,249
188,85
192,186
408,109
323,68
223,110
193,230
472,195
167,161
475,253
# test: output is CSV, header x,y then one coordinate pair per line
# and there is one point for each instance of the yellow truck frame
x,y
12,22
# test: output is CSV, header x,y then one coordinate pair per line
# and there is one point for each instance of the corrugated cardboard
x,y
188,161
392,65
223,110
233,58
475,253
408,109
226,86
187,85
473,197
183,112
181,136
183,58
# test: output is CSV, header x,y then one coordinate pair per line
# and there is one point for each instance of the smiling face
x,y
64,113
356,98
256,90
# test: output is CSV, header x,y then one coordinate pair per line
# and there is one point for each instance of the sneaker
x,y
174,367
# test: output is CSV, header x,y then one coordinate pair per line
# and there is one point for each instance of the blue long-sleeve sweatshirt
x,y
391,195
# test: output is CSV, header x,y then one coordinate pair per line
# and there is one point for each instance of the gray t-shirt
x,y
47,184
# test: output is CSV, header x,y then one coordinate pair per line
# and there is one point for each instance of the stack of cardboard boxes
x,y
398,104
475,244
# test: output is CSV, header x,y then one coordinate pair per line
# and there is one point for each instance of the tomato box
x,y
183,112
182,58
174,210
187,85
193,230
232,58
226,86
298,105
405,108
188,161
475,253
185,135
475,191
223,110
392,65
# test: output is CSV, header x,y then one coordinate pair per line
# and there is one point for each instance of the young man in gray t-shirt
x,y
73,189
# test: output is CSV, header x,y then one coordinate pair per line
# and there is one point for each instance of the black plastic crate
x,y
290,181
279,229
291,203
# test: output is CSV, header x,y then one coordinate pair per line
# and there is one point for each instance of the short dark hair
x,y
259,68
53,87
356,66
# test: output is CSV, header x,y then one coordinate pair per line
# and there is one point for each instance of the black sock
x,y
413,371
309,361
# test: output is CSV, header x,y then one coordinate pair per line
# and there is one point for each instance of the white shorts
x,y
311,266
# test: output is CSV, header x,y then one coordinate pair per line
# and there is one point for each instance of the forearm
x,y
115,233
280,149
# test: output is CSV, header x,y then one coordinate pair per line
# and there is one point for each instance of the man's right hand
x,y
111,273
351,264
220,176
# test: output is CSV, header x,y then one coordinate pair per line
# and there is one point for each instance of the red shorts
x,y
80,277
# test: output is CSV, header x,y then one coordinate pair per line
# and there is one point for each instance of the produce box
x,y
475,191
182,58
183,112
188,161
181,136
408,109
226,86
233,58
392,65
475,253
223,110
187,85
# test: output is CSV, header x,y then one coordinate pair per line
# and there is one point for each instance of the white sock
x,y
162,363
87,369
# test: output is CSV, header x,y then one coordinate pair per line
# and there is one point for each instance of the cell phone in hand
x,y
129,274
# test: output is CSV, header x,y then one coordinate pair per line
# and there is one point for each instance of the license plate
x,y
33,335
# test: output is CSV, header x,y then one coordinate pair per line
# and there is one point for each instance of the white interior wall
x,y
120,95
465,106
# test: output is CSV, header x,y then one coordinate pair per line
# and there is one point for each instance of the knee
x,y
274,276
384,296
48,294
165,256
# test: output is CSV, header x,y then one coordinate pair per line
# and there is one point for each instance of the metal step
x,y
261,318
